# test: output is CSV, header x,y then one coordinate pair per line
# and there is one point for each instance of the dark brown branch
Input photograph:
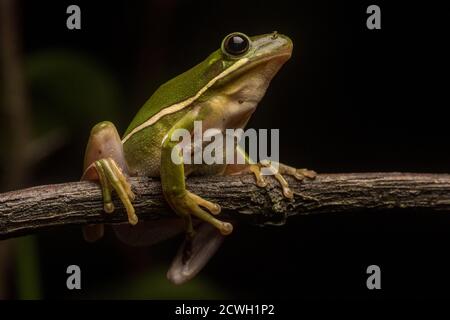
x,y
77,203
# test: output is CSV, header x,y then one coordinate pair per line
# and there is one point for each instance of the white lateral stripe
x,y
181,105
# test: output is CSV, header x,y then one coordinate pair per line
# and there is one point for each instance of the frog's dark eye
x,y
236,44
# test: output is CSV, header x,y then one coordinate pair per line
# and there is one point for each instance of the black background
x,y
350,100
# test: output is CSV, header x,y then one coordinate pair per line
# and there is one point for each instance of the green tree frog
x,y
222,92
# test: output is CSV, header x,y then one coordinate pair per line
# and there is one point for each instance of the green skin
x,y
222,91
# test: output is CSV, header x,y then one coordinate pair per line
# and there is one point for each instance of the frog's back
x,y
142,140
179,89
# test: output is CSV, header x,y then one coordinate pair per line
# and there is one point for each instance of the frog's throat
x,y
185,103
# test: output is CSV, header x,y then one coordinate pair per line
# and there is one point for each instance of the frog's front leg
x,y
104,162
274,168
185,203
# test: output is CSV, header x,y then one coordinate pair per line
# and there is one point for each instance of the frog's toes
x,y
287,192
112,178
212,207
226,228
300,174
278,170
108,207
191,204
256,170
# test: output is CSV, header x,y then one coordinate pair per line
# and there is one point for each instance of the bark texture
x,y
76,203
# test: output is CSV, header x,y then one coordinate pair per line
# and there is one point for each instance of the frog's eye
x,y
236,44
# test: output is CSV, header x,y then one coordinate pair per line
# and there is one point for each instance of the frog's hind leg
x,y
202,247
203,244
104,162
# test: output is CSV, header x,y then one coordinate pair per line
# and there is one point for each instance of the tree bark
x,y
77,203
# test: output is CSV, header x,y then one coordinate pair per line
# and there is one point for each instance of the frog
x,y
222,92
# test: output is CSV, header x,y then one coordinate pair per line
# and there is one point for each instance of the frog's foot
x,y
111,178
277,170
202,247
189,204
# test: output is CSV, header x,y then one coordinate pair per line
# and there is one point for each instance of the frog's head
x,y
257,50
244,67
233,79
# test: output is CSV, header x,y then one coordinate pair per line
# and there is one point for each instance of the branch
x,y
77,203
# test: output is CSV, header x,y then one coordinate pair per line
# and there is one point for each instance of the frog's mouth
x,y
268,65
279,58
